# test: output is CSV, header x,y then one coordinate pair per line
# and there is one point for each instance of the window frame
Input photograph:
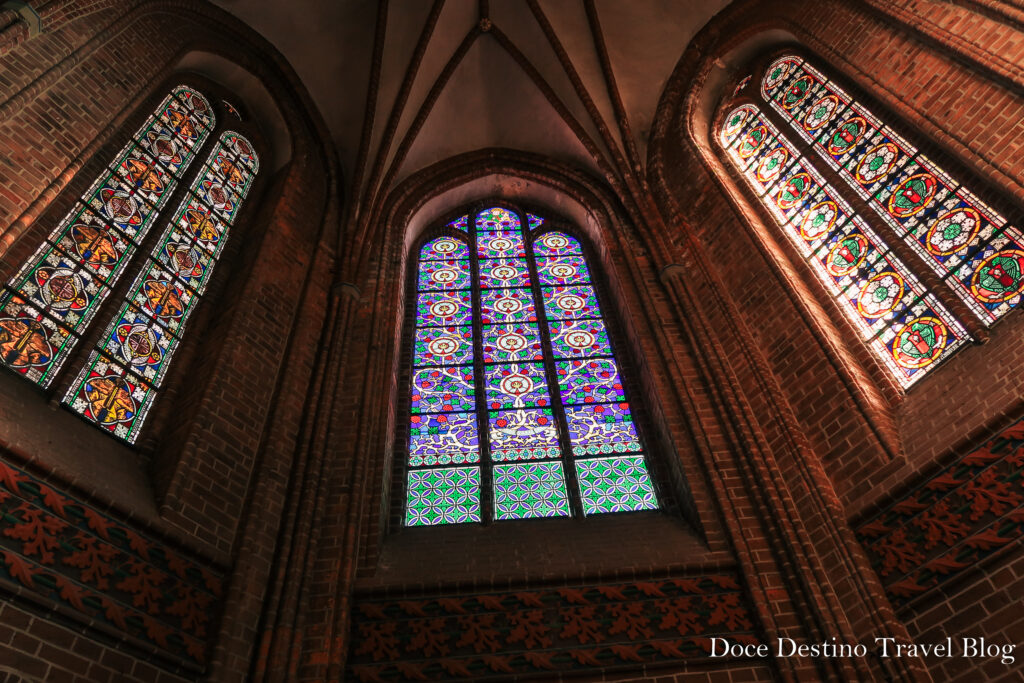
x,y
733,97
223,281
622,353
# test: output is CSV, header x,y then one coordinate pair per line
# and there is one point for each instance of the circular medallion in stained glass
x,y
819,220
849,134
821,112
516,385
734,122
62,289
912,195
846,255
753,142
185,260
952,231
777,73
580,340
919,342
563,271
999,277
794,190
880,295
570,303
876,163
443,346
444,308
139,344
503,273
510,342
772,164
797,92
554,241
446,246
508,305
444,276
220,197
500,244
120,206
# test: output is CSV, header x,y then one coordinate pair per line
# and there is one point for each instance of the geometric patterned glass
x,y
116,387
46,307
905,325
515,391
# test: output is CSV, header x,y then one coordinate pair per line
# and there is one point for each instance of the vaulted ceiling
x,y
406,83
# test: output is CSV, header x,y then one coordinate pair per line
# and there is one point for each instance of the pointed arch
x,y
517,407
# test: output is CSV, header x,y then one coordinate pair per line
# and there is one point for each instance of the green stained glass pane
x,y
535,489
443,496
615,485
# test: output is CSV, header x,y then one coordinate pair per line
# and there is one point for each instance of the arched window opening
x,y
906,327
53,301
517,405
975,251
46,307
120,380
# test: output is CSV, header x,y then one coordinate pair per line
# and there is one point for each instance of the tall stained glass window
x,y
517,405
117,386
46,307
974,251
55,297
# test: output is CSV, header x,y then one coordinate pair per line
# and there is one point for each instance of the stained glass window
x,y
123,374
46,307
516,396
970,246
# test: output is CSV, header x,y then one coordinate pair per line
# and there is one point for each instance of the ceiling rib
x,y
579,87
417,124
549,94
380,36
612,88
402,98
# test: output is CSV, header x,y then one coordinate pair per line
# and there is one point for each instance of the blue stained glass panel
x,y
556,244
444,249
507,306
570,303
443,346
524,434
534,221
569,269
504,273
444,275
443,439
601,429
497,219
443,389
500,245
444,308
518,385
594,380
510,343
579,338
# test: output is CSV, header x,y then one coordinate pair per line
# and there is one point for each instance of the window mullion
x,y
479,383
557,408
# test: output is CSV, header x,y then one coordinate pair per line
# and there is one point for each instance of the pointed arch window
x,y
973,250
47,308
517,406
